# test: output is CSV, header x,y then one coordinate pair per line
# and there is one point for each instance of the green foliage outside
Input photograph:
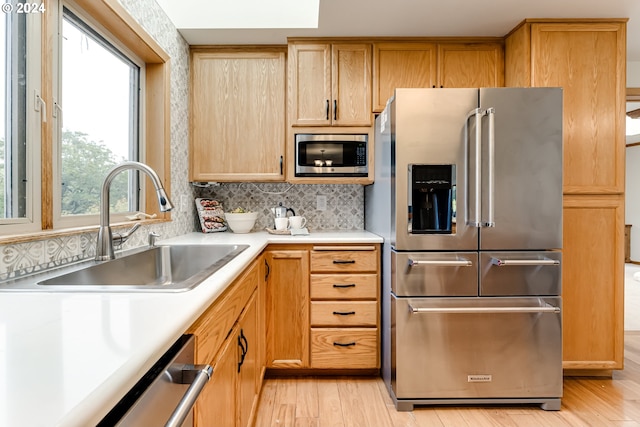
x,y
85,164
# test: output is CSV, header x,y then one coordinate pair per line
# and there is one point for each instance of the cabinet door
x,y
217,403
588,61
310,84
401,65
247,339
593,282
470,65
287,308
351,85
230,90
261,297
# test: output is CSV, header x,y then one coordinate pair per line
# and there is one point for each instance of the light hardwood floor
x,y
354,401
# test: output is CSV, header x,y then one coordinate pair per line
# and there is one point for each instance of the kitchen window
x,y
49,145
97,122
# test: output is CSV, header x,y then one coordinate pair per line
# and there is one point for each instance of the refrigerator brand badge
x,y
479,378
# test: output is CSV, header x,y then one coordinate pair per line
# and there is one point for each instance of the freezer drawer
x,y
434,273
475,348
520,273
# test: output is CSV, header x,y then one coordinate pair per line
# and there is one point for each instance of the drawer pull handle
x,y
349,344
524,262
344,313
344,261
346,285
443,263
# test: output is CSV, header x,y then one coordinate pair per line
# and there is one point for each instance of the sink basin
x,y
160,268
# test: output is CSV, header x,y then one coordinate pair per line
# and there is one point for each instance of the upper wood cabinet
x,y
586,59
470,65
401,65
237,120
329,84
408,64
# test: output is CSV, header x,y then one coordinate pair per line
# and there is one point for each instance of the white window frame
x,y
69,221
35,114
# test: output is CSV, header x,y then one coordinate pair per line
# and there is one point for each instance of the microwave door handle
x,y
475,167
489,220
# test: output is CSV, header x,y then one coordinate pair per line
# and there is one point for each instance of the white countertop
x,y
67,358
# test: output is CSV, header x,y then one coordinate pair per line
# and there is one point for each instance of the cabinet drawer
x,y
344,313
354,348
344,286
356,259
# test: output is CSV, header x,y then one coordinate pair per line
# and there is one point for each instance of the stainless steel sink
x,y
170,268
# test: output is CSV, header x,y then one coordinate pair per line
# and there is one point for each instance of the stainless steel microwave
x,y
335,155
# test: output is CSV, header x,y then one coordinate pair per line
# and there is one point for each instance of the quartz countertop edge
x,y
67,358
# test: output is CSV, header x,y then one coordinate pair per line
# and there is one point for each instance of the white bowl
x,y
241,222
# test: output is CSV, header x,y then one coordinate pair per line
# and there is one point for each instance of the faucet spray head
x,y
163,200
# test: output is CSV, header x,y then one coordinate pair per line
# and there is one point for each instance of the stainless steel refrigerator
x,y
468,198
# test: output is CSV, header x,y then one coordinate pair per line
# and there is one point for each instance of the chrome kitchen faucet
x,y
104,245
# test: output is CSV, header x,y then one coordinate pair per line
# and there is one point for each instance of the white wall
x,y
632,191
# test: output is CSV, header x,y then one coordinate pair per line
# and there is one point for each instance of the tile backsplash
x,y
344,207
344,211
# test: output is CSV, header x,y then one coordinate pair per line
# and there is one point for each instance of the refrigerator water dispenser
x,y
431,199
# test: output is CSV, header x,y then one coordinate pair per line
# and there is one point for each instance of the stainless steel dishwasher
x,y
165,395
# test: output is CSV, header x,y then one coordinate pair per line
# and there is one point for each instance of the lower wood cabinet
x,y
593,284
322,306
218,401
295,307
345,306
228,338
287,307
246,338
344,348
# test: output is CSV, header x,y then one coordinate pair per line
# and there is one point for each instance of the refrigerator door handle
x,y
547,308
474,168
441,263
489,221
524,262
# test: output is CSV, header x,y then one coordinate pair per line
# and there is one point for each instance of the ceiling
x,y
346,18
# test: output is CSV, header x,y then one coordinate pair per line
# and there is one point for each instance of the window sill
x,y
43,235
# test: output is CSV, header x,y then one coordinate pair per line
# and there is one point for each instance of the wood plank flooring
x,y
356,401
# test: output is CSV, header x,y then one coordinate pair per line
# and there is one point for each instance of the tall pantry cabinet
x,y
587,59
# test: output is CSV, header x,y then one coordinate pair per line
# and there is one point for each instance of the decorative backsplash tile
x,y
344,210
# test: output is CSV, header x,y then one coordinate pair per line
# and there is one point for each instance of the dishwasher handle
x,y
202,376
547,308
